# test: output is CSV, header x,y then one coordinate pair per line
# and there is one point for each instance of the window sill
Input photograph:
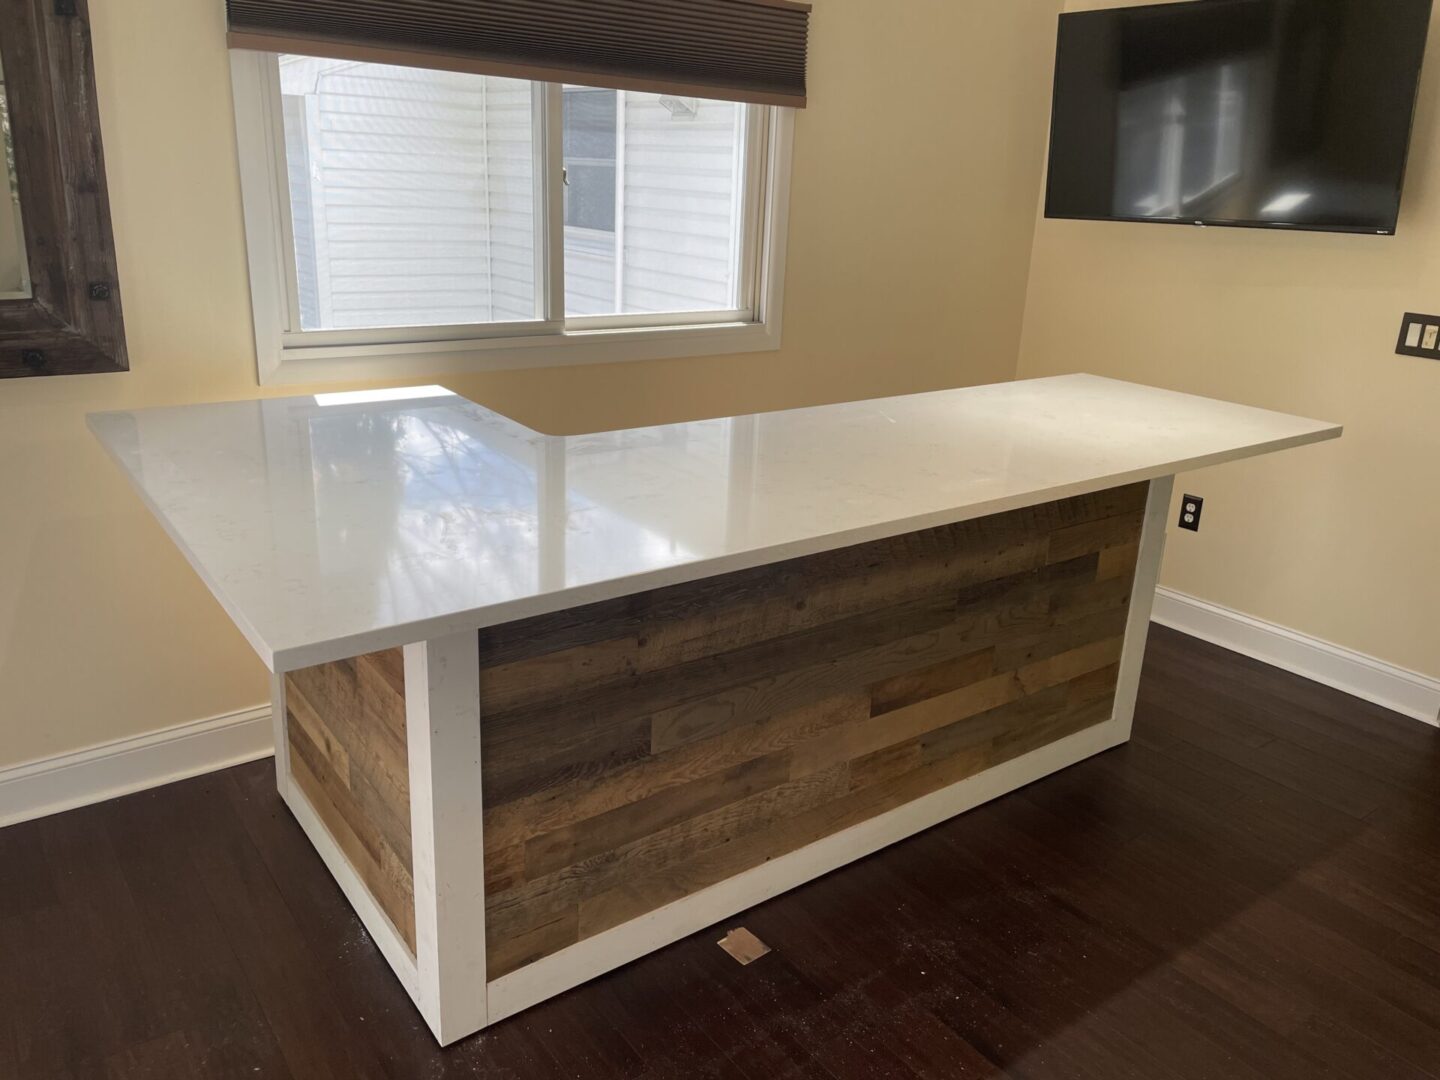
x,y
306,365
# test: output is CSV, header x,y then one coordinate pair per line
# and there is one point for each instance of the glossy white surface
x,y
334,527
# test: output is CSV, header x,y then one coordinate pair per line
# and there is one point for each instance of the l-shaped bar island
x,y
546,703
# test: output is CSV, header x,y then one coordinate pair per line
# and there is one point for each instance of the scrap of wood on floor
x,y
743,946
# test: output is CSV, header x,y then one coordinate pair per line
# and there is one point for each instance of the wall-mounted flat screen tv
x,y
1290,114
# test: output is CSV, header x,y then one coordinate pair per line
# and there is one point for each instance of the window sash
x,y
286,355
550,319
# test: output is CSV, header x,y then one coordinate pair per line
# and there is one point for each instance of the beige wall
x,y
1340,541
917,173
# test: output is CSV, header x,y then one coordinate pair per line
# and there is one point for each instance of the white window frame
x,y
287,355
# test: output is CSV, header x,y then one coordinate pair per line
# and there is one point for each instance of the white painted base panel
x,y
1406,692
447,839
392,946
1142,597
594,956
50,785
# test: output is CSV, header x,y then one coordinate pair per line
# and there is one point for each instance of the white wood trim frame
x,y
377,924
279,720
1142,598
1398,689
265,205
442,719
621,164
549,134
285,356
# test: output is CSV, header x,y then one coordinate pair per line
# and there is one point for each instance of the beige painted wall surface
x,y
924,111
1341,541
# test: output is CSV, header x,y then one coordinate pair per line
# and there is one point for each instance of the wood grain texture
x,y
345,724
638,750
72,323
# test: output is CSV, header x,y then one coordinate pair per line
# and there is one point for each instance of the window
x,y
412,195
591,146
407,221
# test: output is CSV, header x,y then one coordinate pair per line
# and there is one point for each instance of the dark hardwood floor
x,y
1250,889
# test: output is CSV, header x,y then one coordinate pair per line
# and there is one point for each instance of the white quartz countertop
x,y
333,525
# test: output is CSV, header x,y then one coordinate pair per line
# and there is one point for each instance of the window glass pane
x,y
590,197
591,144
590,123
670,170
412,195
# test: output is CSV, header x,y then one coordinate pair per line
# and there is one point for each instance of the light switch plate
x,y
1419,336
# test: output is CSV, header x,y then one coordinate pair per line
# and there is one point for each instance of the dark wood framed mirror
x,y
59,292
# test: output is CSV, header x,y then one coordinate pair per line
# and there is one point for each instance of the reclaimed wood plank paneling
x,y
345,725
638,750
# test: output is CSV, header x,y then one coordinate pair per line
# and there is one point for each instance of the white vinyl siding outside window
x,y
408,221
412,195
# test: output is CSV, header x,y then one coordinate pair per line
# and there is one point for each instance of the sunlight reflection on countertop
x,y
335,524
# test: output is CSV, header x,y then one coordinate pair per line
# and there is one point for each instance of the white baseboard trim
x,y
1365,677
50,785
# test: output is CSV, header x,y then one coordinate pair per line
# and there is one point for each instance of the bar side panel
x,y
345,727
637,751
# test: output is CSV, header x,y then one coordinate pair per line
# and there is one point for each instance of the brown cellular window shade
x,y
735,50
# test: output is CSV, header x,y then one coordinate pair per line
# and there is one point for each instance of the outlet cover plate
x,y
1190,510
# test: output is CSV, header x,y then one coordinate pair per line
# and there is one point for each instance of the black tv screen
x,y
1289,114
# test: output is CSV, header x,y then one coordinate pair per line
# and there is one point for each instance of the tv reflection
x,y
1256,126
1181,142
